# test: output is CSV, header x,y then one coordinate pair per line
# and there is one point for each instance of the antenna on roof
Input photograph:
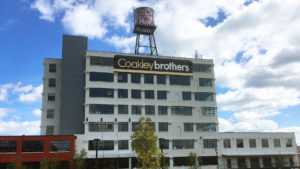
x,y
196,54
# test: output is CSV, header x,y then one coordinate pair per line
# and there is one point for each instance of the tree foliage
x,y
193,160
16,163
144,143
78,159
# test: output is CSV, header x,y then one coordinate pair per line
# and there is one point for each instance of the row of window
x,y
108,61
162,126
35,146
148,94
252,143
148,79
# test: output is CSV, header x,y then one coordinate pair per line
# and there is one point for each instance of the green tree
x,y
44,164
144,143
78,159
16,163
54,163
193,160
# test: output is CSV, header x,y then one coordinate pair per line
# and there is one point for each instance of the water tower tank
x,y
144,20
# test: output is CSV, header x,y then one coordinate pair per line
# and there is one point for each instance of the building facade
x,y
102,95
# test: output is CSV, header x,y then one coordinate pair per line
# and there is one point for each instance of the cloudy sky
x,y
255,45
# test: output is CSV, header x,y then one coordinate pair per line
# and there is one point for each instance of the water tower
x,y
144,25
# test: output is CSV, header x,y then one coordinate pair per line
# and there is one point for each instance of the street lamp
x,y
96,142
161,144
217,158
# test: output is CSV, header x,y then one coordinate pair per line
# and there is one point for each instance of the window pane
x,y
135,78
101,76
49,130
149,94
102,61
201,68
239,143
227,143
161,79
163,126
51,82
162,110
123,109
101,126
205,82
122,93
102,145
122,77
52,67
50,113
164,144
183,144
51,97
277,143
33,146
206,127
148,79
8,146
161,95
204,96
208,111
289,143
101,92
188,127
136,94
136,109
101,109
181,110
60,145
186,96
122,126
150,110
123,144
210,143
265,143
180,80
252,143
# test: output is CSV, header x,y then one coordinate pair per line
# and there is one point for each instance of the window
x,y
102,145
181,161
163,126
101,109
252,143
135,78
101,76
122,93
150,110
277,142
205,82
239,143
33,146
122,126
49,130
162,110
152,124
50,113
122,77
241,162
183,144
210,143
101,61
101,126
201,68
254,162
186,96
51,97
123,109
208,111
60,145
289,143
148,79
8,146
136,94
52,67
123,144
161,79
204,96
264,143
180,80
267,161
209,160
134,124
226,143
136,109
188,127
101,92
164,144
161,95
181,110
149,94
206,127
51,82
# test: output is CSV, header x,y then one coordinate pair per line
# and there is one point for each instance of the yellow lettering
x,y
119,62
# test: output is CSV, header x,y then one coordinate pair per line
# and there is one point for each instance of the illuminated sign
x,y
152,65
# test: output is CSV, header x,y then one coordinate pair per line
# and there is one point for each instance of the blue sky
x,y
254,44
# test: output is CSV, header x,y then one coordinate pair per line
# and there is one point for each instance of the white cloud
x,y
4,91
35,95
123,43
45,8
37,112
